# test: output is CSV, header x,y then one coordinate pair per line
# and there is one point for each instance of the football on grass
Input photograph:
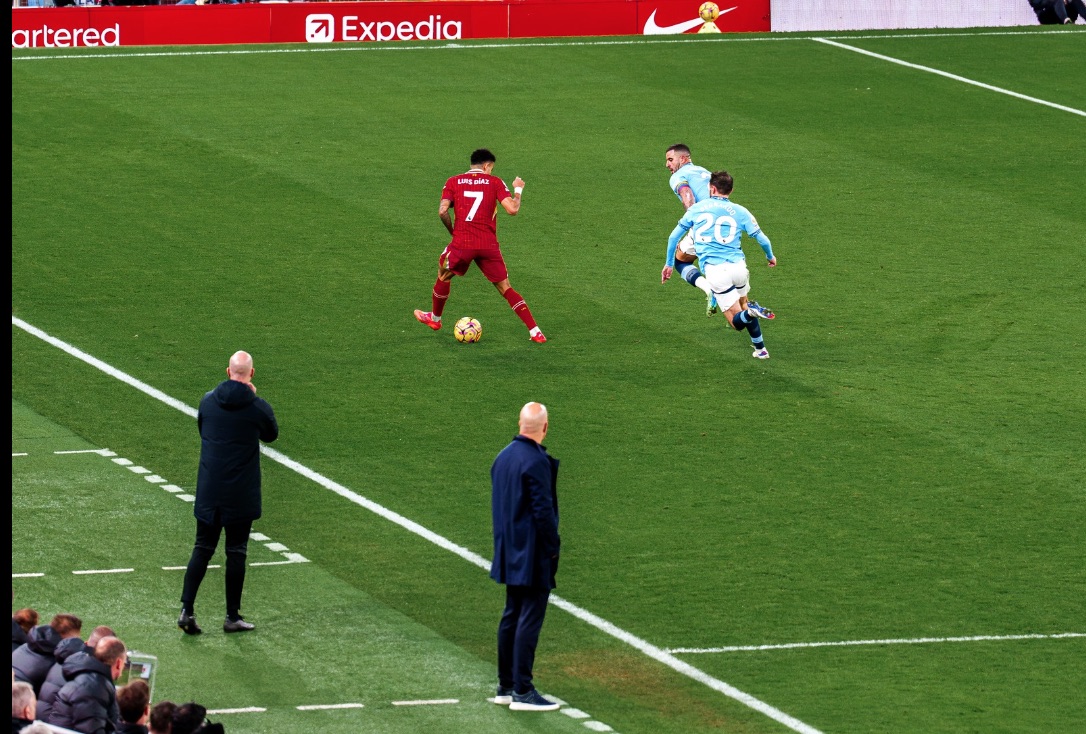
x,y
709,12
468,330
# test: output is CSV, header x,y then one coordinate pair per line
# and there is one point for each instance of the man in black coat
x,y
232,422
88,701
31,661
524,508
55,680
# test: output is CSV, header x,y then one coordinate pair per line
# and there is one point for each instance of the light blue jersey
x,y
696,177
716,226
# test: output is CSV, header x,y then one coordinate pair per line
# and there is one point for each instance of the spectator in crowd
x,y
191,718
232,422
23,706
88,701
134,703
31,661
67,625
55,680
1058,12
161,719
22,622
27,619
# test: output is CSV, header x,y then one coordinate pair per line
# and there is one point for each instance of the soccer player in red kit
x,y
474,198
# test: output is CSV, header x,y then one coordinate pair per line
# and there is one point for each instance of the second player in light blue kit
x,y
691,184
716,226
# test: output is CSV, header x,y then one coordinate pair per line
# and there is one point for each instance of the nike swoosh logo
x,y
651,29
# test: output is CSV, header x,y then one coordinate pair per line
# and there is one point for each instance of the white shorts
x,y
686,244
729,281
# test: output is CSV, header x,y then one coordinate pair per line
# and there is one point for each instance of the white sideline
x,y
512,44
846,643
948,75
584,615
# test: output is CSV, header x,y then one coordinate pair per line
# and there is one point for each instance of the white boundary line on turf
x,y
948,75
656,653
846,643
513,44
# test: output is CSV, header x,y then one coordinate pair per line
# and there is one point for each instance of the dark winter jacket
x,y
126,728
18,635
232,421
55,680
88,701
31,662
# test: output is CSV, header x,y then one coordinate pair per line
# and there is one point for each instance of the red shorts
x,y
489,260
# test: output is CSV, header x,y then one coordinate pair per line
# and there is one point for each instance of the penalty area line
x,y
656,653
948,75
850,643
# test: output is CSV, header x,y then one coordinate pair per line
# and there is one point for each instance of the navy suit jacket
x,y
524,505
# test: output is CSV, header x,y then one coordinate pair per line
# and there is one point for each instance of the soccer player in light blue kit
x,y
716,226
691,184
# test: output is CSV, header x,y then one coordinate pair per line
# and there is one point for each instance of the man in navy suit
x,y
524,504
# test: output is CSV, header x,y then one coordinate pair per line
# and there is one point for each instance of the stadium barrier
x,y
364,22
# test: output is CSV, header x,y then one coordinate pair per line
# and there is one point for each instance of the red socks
x,y
441,295
520,308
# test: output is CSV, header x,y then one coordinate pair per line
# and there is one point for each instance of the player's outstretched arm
x,y
511,204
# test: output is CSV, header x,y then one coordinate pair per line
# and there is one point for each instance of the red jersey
x,y
475,197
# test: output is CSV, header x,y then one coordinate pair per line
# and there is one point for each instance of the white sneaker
x,y
760,354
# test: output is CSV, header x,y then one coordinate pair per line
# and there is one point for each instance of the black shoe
x,y
532,701
187,623
237,625
503,696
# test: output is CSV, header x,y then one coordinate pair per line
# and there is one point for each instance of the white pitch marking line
x,y
575,713
183,568
331,706
434,702
513,45
258,536
186,497
121,461
26,575
296,558
597,726
277,547
139,470
276,563
846,643
249,710
155,479
172,488
948,75
103,570
100,452
13,454
652,651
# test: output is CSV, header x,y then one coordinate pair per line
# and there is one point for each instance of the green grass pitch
x,y
907,465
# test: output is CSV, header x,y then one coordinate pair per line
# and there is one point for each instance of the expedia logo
x,y
321,28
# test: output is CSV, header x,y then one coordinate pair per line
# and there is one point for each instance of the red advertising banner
x,y
367,22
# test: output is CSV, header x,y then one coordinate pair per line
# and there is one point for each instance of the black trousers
x,y
207,539
518,635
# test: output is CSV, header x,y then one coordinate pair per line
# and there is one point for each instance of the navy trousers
x,y
207,539
518,635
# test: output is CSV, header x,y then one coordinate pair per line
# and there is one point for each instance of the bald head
x,y
533,421
241,367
